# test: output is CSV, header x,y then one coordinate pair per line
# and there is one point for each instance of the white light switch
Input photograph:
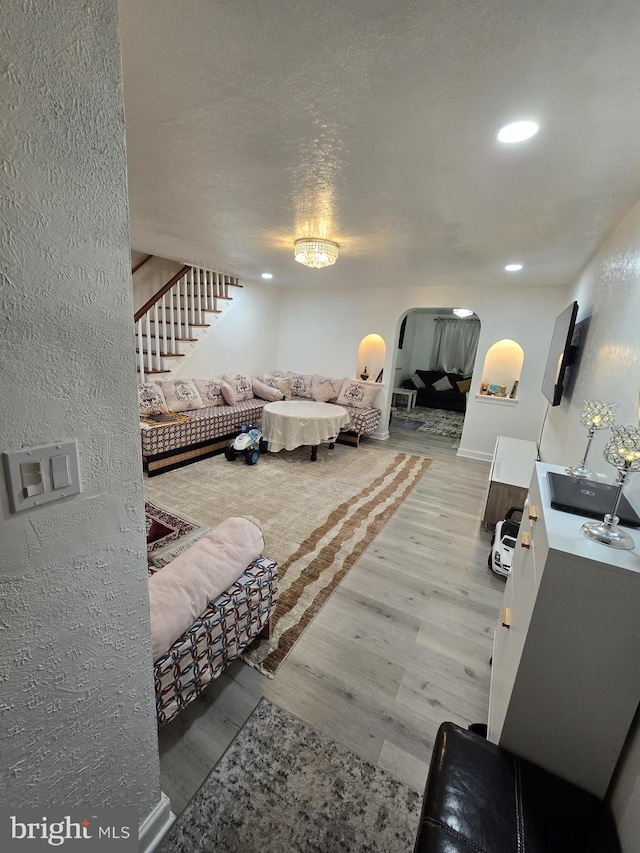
x,y
60,471
38,475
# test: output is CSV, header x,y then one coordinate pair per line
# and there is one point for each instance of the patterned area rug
x,y
169,534
317,517
282,786
435,421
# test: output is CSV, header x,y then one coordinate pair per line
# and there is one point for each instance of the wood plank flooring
x,y
403,644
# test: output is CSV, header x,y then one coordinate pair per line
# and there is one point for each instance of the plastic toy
x,y
503,543
248,442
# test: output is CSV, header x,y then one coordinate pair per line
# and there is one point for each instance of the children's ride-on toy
x,y
503,543
249,442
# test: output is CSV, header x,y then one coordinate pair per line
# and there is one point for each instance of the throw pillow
x,y
228,394
321,382
356,394
266,392
181,395
241,384
417,381
210,391
301,385
274,380
442,385
151,399
464,386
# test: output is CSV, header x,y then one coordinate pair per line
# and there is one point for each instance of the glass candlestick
x,y
623,452
595,415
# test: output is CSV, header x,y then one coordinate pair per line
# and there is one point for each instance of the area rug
x,y
282,786
169,534
434,421
318,518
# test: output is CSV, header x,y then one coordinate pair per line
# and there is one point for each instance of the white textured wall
x,y
320,332
153,275
608,293
75,658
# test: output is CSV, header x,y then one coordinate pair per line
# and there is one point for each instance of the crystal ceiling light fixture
x,y
517,131
463,312
316,252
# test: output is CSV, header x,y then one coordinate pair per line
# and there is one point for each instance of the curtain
x,y
455,345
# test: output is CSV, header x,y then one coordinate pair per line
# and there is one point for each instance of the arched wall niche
x,y
502,368
372,351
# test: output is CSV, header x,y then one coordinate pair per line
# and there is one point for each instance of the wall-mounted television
x,y
561,354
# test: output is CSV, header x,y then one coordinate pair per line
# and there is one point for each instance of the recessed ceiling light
x,y
266,275
513,267
463,312
517,131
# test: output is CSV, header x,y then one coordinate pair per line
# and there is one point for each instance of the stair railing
x,y
168,317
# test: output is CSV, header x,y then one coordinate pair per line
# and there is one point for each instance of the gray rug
x,y
434,421
281,786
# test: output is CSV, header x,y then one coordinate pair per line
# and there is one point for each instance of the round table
x,y
288,424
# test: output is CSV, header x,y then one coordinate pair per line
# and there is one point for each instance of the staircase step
x,y
150,372
194,325
164,354
234,284
184,340
204,310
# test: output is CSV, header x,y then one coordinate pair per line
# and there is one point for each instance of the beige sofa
x,y
190,419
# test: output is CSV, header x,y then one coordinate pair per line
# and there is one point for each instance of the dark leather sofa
x,y
481,798
453,400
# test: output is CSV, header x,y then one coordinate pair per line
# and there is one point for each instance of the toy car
x,y
503,543
249,442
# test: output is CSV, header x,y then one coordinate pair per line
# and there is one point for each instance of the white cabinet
x,y
565,680
509,477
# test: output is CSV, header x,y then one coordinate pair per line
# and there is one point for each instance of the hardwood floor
x,y
403,644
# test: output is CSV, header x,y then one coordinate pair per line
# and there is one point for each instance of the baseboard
x,y
155,825
475,454
379,436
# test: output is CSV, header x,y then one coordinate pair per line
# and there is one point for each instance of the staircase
x,y
170,325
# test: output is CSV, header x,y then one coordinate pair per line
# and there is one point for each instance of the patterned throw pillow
x,y
181,395
151,399
417,381
325,390
464,386
210,391
301,385
356,394
266,392
274,380
241,384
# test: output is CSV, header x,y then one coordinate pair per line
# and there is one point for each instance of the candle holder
x,y
595,415
623,452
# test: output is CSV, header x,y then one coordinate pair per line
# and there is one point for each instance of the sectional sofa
x,y
188,419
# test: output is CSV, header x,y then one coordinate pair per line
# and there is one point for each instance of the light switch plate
x,y
57,462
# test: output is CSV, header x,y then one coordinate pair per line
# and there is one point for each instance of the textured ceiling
x,y
252,123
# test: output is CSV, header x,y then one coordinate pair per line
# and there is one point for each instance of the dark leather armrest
x,y
484,799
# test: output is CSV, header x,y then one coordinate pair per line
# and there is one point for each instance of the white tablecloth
x,y
288,424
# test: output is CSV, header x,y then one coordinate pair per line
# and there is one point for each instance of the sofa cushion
x,y
151,400
464,386
275,380
357,394
241,384
301,385
181,395
210,391
180,591
442,384
325,390
417,381
266,392
228,394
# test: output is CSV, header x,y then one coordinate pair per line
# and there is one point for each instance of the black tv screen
x,y
560,354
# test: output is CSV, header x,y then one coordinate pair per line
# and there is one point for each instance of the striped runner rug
x,y
317,517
